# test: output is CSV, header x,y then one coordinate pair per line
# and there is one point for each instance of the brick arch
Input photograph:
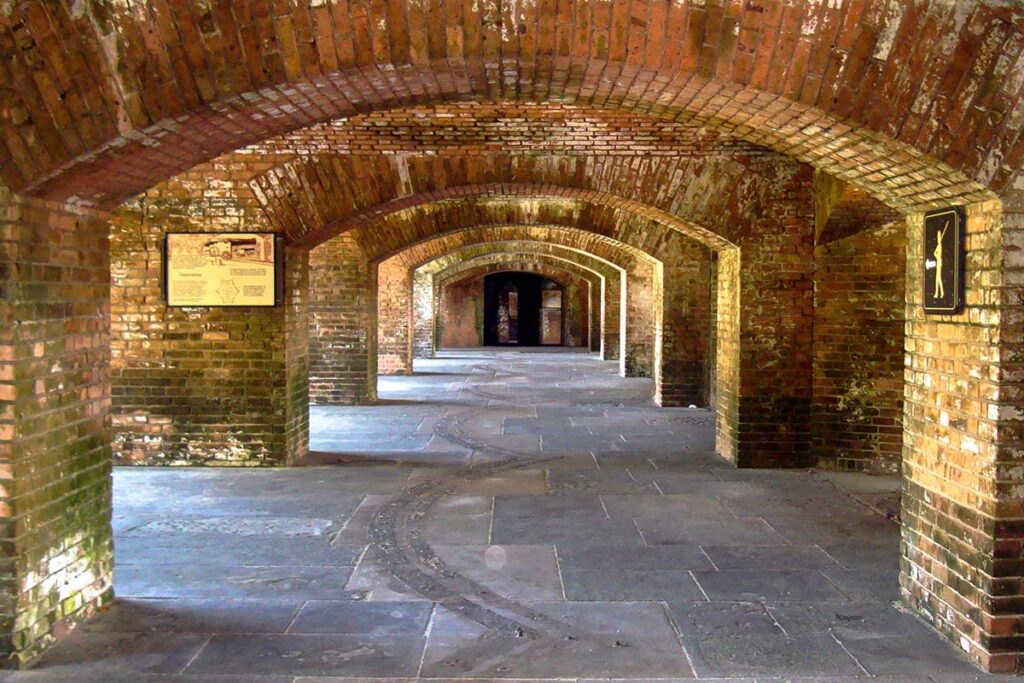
x,y
637,286
102,98
518,249
437,251
120,97
515,261
605,281
717,200
634,345
405,293
640,351
592,284
577,289
516,264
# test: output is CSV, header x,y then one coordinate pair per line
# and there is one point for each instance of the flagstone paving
x,y
505,516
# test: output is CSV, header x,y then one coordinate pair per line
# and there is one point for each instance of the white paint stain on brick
x,y
891,21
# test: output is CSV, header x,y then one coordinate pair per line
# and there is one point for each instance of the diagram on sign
x,y
228,290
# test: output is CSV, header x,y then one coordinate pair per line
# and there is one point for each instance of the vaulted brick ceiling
x,y
437,255
710,199
584,242
560,274
513,261
103,99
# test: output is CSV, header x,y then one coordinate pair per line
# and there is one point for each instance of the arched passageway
x,y
427,259
581,291
415,293
767,148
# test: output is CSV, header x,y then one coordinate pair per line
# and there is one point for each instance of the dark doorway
x,y
522,309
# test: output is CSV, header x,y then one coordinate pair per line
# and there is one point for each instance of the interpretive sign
x,y
944,261
220,269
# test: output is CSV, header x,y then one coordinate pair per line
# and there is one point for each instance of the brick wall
x,y
394,319
460,313
55,492
193,385
343,324
859,312
423,314
961,503
681,376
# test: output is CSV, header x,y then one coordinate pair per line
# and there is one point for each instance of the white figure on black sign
x,y
940,290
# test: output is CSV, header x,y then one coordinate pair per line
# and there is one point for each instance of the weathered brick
x,y
382,127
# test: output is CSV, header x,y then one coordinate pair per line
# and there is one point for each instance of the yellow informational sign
x,y
220,269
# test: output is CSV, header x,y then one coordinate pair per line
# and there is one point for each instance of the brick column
x,y
296,354
727,353
394,319
614,327
596,313
423,315
55,454
681,375
963,510
585,294
343,326
765,334
641,300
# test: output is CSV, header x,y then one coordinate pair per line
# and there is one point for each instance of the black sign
x,y
944,261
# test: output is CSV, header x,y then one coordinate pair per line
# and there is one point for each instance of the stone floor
x,y
504,515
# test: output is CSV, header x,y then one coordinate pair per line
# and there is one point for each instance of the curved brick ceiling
x,y
434,256
103,99
561,276
513,262
593,271
625,254
707,198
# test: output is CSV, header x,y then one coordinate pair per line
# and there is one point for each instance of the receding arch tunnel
x,y
735,200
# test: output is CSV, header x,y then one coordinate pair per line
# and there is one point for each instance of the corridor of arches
x,y
709,312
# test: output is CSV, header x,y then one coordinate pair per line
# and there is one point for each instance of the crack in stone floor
x,y
504,516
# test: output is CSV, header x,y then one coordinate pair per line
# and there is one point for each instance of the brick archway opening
x,y
366,272
429,259
121,108
588,284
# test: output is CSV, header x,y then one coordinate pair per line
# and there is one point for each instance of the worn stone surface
x,y
569,563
